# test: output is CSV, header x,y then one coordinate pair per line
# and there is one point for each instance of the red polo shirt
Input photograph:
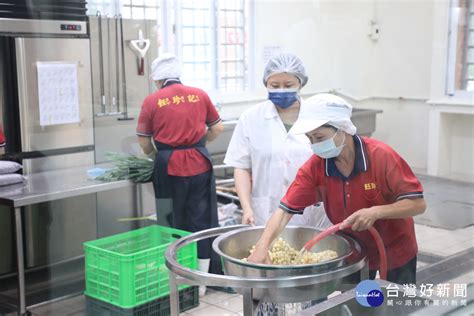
x,y
380,177
177,115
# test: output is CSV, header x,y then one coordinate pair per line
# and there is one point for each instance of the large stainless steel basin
x,y
235,245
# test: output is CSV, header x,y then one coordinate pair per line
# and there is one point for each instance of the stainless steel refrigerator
x,y
54,232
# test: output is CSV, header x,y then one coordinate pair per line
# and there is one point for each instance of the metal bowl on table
x,y
235,245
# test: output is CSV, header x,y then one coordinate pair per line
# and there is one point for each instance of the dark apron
x,y
161,179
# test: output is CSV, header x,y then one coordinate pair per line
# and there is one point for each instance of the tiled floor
x,y
438,241
444,242
213,303
218,303
450,203
446,226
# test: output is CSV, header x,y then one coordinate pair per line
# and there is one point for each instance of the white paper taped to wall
x,y
58,93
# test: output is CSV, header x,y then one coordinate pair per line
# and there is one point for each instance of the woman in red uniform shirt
x,y
179,119
362,182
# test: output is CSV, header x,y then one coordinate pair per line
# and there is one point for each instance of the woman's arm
x,y
214,131
364,218
274,227
243,186
146,145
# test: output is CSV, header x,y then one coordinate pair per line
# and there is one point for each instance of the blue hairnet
x,y
285,63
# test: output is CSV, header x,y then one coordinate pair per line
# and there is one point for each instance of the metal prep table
x,y
49,186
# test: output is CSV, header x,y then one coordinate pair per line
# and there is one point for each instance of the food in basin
x,y
282,253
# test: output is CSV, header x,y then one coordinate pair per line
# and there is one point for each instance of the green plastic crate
x,y
188,299
129,269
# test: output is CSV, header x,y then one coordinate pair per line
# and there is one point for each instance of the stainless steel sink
x,y
364,120
218,147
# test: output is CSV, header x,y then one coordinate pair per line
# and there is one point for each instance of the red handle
x,y
375,234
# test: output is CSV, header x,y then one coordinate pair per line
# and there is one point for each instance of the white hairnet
x,y
324,108
164,67
285,63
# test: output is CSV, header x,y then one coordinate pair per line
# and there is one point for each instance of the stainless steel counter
x,y
50,186
55,185
346,303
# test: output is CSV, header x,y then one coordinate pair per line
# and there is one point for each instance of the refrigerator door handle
x,y
22,91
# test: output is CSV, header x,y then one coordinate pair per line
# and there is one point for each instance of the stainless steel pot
x,y
235,245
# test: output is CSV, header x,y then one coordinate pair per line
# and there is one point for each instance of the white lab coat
x,y
261,143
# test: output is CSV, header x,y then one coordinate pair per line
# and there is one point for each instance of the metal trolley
x,y
246,285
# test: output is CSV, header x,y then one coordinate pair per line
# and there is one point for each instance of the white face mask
x,y
327,148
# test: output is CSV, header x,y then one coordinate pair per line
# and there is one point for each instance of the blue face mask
x,y
327,148
283,98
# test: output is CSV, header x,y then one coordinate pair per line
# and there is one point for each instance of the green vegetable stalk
x,y
128,167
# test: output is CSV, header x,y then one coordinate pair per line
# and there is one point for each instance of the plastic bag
x,y
7,167
6,179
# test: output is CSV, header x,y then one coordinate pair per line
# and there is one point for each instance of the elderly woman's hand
x,y
361,220
259,255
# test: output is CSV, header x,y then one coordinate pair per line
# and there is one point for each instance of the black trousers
x,y
405,274
191,209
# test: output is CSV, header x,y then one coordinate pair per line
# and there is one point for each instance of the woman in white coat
x,y
263,151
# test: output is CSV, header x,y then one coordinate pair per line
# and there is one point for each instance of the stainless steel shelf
x,y
55,185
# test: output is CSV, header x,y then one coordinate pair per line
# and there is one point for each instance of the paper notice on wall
x,y
270,51
58,93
